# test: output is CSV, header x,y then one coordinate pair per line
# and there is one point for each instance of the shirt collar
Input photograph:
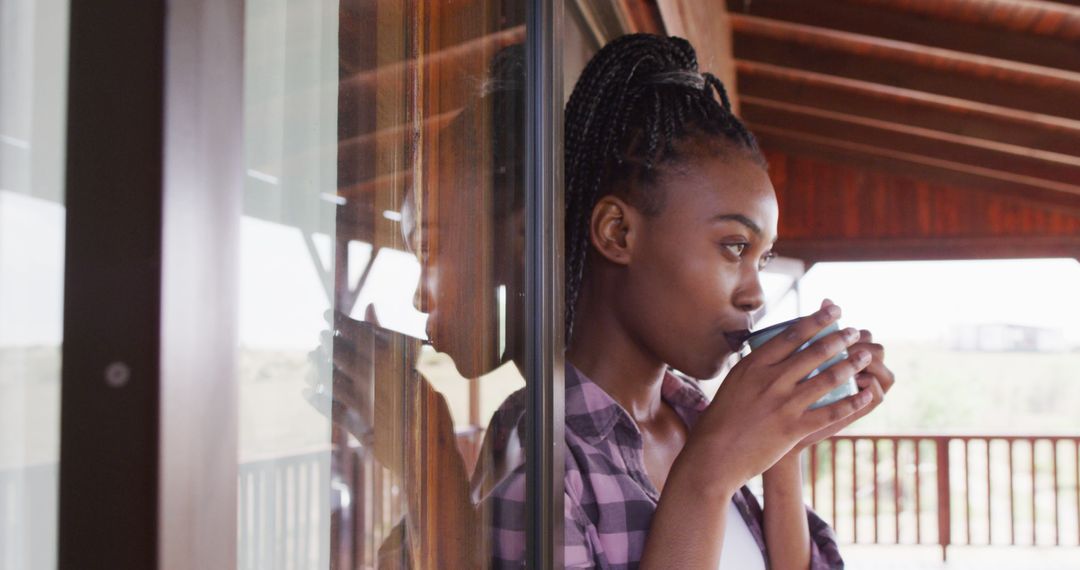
x,y
591,413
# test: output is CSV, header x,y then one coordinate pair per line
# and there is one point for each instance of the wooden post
x,y
944,508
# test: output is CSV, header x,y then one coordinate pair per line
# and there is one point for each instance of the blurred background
x,y
926,155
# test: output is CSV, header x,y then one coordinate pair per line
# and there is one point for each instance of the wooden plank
x,y
1043,17
989,498
641,15
464,60
911,249
901,64
1054,196
944,506
909,107
1009,161
1049,41
834,472
918,493
896,490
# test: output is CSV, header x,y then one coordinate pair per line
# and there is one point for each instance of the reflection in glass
x,y
33,68
429,334
381,295
286,269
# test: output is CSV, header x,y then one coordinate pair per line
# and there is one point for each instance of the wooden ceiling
x,y
895,129
908,129
925,129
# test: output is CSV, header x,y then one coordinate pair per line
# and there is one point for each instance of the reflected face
x,y
470,282
694,274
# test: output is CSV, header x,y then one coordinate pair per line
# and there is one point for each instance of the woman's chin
x,y
706,370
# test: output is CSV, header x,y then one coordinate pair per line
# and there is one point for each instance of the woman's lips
x,y
736,338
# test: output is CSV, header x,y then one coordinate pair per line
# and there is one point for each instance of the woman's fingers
x,y
877,367
869,390
814,420
348,392
360,331
802,363
813,389
788,341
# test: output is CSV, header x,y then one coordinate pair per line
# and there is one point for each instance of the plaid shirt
x,y
609,500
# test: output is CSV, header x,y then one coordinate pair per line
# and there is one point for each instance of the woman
x,y
670,218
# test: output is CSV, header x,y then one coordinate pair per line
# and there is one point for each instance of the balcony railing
x,y
949,489
930,490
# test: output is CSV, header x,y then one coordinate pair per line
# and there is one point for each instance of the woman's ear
x,y
613,229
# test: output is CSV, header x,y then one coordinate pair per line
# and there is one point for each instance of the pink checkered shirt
x,y
609,500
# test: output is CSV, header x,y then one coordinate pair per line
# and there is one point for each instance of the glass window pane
x,y
33,65
381,294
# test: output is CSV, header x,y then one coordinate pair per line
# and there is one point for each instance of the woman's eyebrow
x,y
738,218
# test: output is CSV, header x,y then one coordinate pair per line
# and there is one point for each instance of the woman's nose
x,y
423,299
750,296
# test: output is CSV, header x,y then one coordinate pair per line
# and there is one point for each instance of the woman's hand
x,y
876,378
760,413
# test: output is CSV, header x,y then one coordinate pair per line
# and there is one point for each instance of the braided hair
x,y
637,98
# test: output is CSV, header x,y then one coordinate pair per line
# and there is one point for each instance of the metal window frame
x,y
544,284
154,169
109,380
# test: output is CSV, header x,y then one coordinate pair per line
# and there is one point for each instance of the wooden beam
x,y
1037,34
1005,162
912,249
1033,192
642,15
900,64
905,106
598,19
468,59
1039,16
350,151
606,20
707,26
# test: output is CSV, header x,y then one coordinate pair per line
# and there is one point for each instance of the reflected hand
x,y
349,348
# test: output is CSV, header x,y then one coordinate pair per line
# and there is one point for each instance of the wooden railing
x,y
285,511
948,489
939,490
28,516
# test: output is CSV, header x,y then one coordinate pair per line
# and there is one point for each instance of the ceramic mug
x,y
848,388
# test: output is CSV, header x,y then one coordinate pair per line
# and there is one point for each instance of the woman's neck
x,y
605,351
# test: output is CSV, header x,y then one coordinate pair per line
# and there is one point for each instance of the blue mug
x,y
848,388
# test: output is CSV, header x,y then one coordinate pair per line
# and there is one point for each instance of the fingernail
x,y
833,311
826,303
863,358
863,398
851,334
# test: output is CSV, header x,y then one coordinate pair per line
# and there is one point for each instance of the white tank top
x,y
741,551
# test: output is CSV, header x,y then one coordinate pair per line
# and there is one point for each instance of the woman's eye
x,y
765,259
736,248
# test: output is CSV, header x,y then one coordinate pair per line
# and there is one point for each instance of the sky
x,y
923,300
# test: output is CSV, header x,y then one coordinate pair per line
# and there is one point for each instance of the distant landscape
x,y
939,390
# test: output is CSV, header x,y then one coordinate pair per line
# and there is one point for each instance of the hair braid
x,y
636,99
